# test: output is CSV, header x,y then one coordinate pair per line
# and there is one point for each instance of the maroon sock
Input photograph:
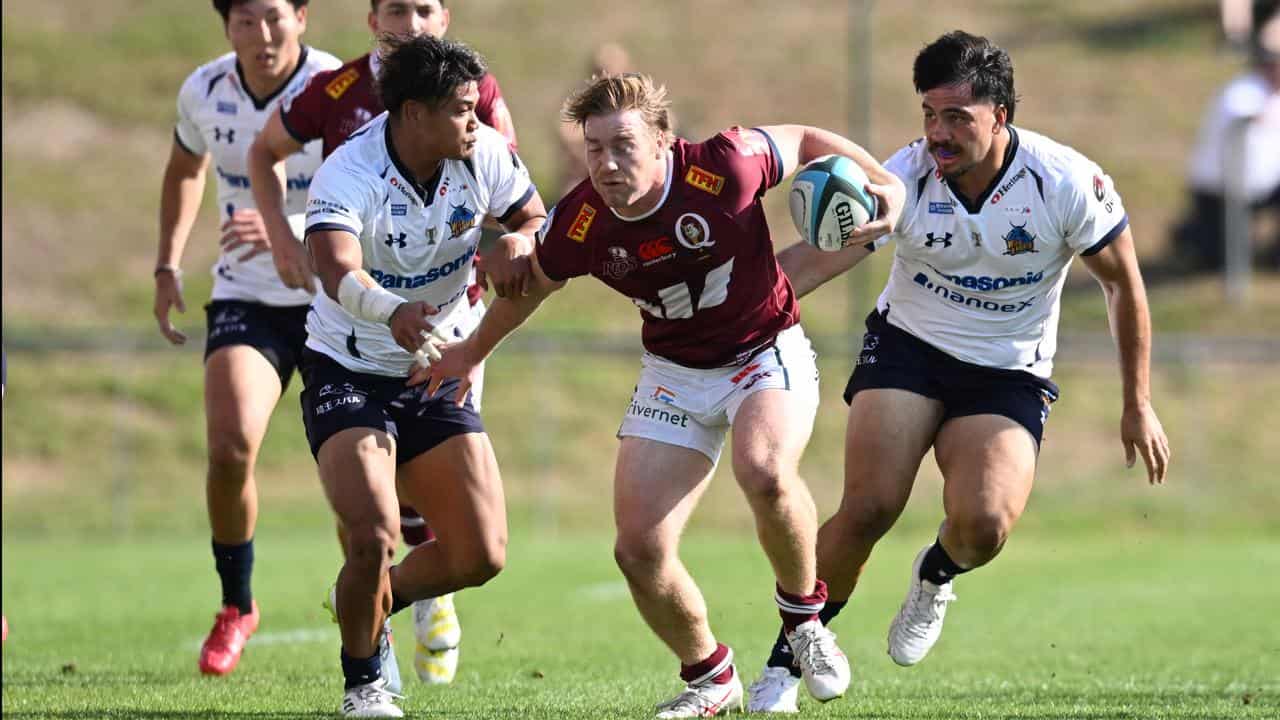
x,y
716,668
799,609
413,528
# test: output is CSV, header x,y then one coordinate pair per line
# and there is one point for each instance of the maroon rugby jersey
x,y
701,265
336,103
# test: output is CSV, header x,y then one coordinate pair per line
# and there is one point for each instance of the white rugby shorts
x,y
694,408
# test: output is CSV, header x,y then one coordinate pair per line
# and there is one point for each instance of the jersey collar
x,y
426,190
262,104
666,191
975,207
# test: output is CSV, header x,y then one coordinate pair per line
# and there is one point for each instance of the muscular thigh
x,y
241,388
457,486
888,433
772,403
656,487
988,463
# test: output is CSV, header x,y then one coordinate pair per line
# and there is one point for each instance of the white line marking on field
x,y
300,636
605,591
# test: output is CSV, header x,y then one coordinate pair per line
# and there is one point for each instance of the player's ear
x,y
1002,118
301,14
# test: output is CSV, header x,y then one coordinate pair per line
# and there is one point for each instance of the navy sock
x,y
937,566
780,655
360,671
398,603
235,568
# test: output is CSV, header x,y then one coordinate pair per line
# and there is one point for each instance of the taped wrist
x,y
359,295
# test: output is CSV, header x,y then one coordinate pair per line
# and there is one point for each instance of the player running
x,y
255,321
393,224
680,229
337,103
959,350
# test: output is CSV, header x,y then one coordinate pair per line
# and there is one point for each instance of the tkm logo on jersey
x,y
1019,240
461,220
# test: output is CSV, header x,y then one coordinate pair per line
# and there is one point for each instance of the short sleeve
x,y
187,131
303,114
1091,211
492,109
510,187
561,245
338,199
753,157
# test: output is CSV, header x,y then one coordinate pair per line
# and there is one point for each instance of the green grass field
x,y
1064,625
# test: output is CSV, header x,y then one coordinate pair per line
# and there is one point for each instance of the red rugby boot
x,y
231,630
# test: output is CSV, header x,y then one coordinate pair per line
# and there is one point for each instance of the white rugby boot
x,y
372,700
822,663
386,650
705,699
919,622
438,632
775,691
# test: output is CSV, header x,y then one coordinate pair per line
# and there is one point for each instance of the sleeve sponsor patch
x,y
582,223
704,180
341,83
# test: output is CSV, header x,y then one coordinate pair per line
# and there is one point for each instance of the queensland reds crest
x,y
619,263
693,232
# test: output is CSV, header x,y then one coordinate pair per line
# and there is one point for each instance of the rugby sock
x,y
235,568
413,528
360,671
717,668
831,610
937,566
798,609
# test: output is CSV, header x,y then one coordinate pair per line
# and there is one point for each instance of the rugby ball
x,y
828,201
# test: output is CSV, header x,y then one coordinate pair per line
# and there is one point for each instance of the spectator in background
x,y
609,58
1249,104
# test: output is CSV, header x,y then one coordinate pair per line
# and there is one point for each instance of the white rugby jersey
x,y
418,239
217,115
982,282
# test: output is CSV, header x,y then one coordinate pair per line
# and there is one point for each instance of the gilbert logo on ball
x,y
828,201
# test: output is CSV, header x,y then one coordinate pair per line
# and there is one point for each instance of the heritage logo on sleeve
x,y
704,180
582,223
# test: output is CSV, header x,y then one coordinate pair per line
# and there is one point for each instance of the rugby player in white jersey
x,y
393,222
958,352
255,322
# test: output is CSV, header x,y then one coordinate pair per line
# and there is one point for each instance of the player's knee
x,y
371,546
483,562
978,538
763,480
638,556
866,519
230,455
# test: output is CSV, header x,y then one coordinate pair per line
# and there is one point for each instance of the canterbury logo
x,y
704,180
339,84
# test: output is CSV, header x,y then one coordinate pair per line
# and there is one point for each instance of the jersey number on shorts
x,y
676,301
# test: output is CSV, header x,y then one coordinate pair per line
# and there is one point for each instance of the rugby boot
x,y
919,622
775,691
704,699
371,700
823,665
221,651
438,632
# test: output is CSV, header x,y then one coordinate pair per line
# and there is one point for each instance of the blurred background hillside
x,y
103,429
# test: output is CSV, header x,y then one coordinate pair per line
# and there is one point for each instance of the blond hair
x,y
607,94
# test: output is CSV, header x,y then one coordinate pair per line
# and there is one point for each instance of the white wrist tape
x,y
359,295
430,350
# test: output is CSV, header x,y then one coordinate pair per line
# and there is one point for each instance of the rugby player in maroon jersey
x,y
334,105
679,228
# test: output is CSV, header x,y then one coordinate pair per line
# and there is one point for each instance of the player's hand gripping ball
x,y
828,200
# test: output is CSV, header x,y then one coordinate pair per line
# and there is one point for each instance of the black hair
x,y
224,7
425,69
373,4
959,57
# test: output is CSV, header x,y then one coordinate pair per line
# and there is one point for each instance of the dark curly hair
x,y
959,57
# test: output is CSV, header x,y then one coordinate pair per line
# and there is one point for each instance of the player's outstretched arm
x,y
180,194
1116,269
506,262
462,359
267,181
807,267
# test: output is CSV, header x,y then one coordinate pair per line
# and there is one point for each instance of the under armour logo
x,y
218,133
945,240
392,241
